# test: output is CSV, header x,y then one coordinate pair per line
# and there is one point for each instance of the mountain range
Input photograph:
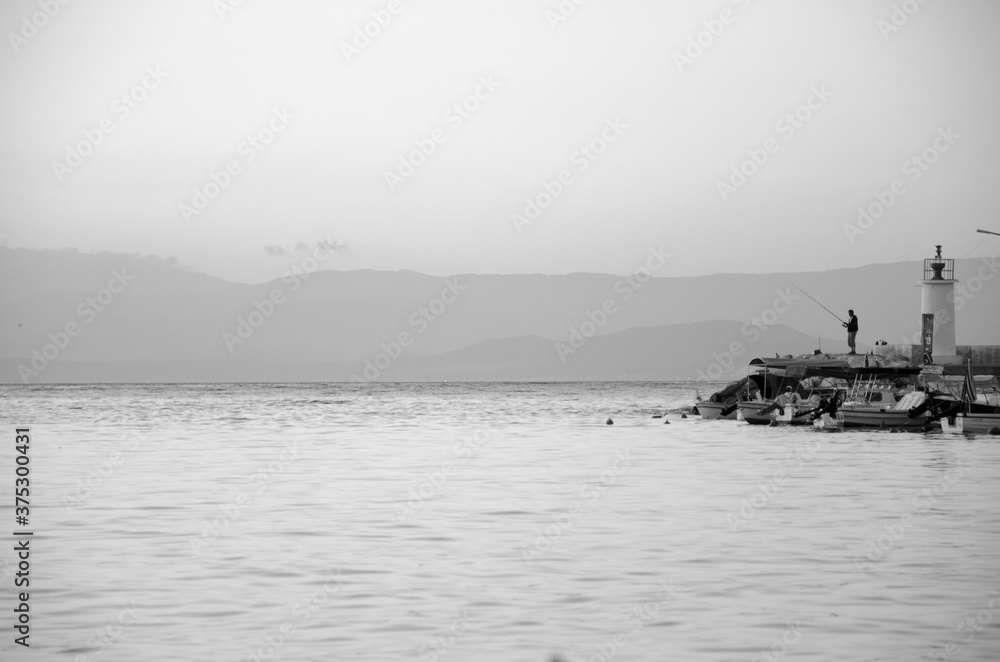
x,y
67,316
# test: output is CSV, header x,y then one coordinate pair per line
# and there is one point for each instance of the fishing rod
x,y
817,302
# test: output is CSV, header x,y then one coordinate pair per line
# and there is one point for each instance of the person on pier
x,y
852,330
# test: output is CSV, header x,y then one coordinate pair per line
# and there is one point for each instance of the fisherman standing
x,y
852,330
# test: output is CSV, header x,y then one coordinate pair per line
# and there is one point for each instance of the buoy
x,y
666,422
684,415
994,431
610,422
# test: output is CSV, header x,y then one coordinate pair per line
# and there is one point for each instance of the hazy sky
x,y
182,86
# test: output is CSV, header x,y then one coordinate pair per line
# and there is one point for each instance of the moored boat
x,y
714,411
885,398
968,423
754,414
722,405
895,415
975,413
789,390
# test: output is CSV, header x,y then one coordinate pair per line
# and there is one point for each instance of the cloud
x,y
303,248
332,246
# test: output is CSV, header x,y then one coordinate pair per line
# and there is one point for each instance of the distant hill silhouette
x,y
167,324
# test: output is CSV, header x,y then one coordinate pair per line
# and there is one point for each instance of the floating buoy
x,y
666,422
684,415
610,422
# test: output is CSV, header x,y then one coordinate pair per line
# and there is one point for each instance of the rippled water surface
x,y
489,522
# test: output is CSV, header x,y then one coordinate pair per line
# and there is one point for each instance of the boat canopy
x,y
772,375
799,367
910,400
784,363
833,368
849,373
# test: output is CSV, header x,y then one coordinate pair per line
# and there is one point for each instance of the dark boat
x,y
772,377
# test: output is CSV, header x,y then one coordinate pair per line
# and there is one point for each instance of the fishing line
x,y
817,302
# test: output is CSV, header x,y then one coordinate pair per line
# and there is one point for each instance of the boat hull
x,y
712,411
970,423
791,415
749,413
879,417
794,415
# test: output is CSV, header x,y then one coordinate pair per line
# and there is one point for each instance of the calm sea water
x,y
489,522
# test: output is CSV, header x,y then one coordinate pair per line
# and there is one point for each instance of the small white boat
x,y
963,423
714,411
977,414
895,415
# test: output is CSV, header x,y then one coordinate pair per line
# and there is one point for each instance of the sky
x,y
502,137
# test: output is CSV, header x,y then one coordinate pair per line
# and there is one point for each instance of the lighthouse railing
x,y
947,272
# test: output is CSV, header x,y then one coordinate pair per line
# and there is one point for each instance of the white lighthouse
x,y
937,308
